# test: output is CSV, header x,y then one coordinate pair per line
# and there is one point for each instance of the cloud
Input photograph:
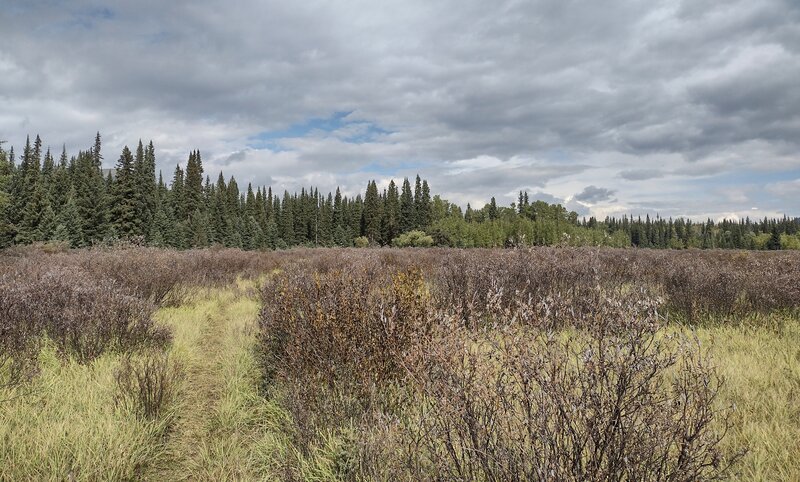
x,y
785,188
594,195
481,98
641,174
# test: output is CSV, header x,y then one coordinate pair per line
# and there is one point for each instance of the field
x,y
389,364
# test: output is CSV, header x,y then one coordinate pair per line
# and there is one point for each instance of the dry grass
x,y
762,373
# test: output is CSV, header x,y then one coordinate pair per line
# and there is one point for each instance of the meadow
x,y
399,364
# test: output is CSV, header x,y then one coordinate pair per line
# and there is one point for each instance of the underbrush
x,y
378,364
512,365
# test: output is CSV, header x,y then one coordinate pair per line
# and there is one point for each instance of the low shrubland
x,y
389,364
512,365
88,385
91,301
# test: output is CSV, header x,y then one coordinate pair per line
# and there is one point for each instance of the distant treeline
x,y
75,201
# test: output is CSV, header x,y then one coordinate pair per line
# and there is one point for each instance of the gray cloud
x,y
641,174
594,195
529,92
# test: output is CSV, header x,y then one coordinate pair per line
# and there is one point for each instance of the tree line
x,y
72,199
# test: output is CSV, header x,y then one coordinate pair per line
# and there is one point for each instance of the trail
x,y
222,429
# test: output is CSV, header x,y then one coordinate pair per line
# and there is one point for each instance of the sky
x,y
670,107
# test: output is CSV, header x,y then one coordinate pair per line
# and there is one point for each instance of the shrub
x,y
503,365
613,401
84,316
334,341
416,239
361,242
146,386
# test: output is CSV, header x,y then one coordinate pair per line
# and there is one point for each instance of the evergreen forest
x,y
71,199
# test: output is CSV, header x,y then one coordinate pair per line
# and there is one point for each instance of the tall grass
x,y
65,425
761,369
224,429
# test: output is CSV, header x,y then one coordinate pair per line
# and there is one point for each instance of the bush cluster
x,y
147,386
83,315
89,302
511,365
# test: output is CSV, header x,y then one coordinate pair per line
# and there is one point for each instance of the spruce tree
x,y
491,209
408,217
261,214
24,182
162,228
391,214
249,233
269,211
90,198
194,183
48,167
218,224
96,155
300,217
125,209
250,206
147,188
271,235
371,215
37,218
198,229
774,242
286,226
61,183
417,201
234,206
425,207
5,197
68,226
326,222
177,197
233,219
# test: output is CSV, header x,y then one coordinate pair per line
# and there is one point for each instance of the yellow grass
x,y
762,372
225,430
64,425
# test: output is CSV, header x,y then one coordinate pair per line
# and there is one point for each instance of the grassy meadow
x,y
399,365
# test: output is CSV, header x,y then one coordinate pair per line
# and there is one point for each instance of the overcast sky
x,y
673,107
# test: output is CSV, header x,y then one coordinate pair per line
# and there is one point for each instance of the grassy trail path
x,y
223,428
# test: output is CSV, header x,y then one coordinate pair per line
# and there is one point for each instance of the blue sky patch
x,y
362,132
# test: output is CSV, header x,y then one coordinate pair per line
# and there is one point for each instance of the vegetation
x,y
520,365
73,200
423,364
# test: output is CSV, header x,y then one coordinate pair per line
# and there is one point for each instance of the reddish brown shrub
x,y
614,401
147,386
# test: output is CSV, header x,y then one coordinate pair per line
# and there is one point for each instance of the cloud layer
x,y
677,107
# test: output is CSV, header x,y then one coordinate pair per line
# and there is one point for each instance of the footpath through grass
x,y
224,428
65,425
